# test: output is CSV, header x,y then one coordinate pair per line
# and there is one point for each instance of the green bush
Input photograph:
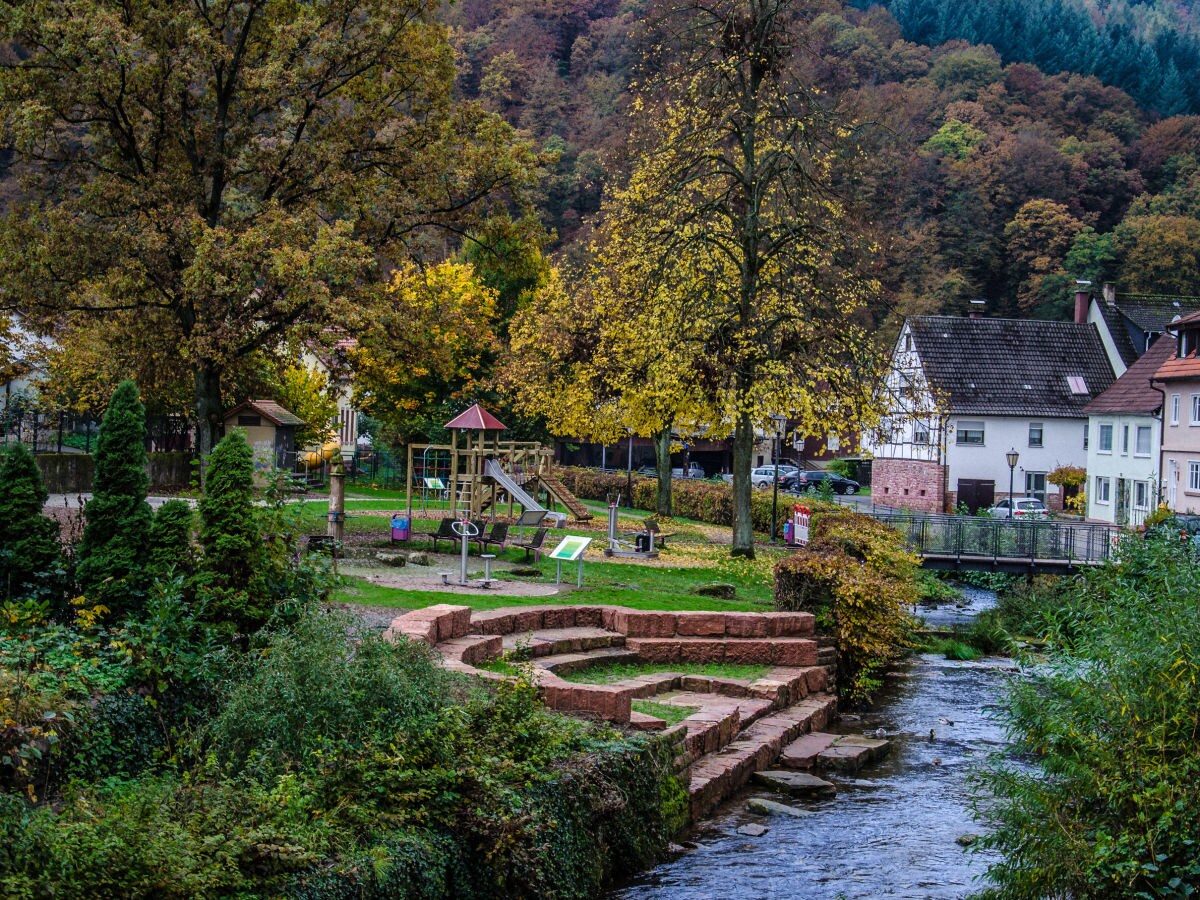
x,y
112,554
1100,793
171,548
30,564
860,581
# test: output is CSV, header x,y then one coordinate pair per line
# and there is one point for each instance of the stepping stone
x,y
851,752
798,784
771,808
754,829
802,753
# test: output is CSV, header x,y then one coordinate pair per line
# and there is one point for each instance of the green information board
x,y
434,484
570,548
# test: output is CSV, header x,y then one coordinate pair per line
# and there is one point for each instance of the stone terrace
x,y
739,726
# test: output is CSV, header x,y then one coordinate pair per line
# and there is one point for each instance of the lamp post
x,y
779,423
1011,456
629,471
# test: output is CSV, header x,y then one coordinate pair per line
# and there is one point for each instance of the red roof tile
x,y
1132,393
476,418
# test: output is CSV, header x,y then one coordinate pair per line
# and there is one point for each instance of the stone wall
x,y
908,483
73,473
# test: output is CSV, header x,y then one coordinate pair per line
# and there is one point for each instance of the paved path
x,y
74,501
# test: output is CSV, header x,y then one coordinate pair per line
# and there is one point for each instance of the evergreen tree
x,y
171,539
112,554
230,537
29,551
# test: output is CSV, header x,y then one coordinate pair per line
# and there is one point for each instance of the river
x,y
892,830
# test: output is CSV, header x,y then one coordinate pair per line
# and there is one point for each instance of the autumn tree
x,y
233,172
1039,238
732,166
307,392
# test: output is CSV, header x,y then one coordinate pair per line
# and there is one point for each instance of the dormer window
x,y
1077,385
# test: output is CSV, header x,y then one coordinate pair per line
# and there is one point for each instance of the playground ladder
x,y
559,492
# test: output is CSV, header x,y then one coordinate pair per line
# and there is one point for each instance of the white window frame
x,y
1038,494
961,428
1139,432
1124,440
1103,490
1195,410
1193,476
1100,442
1041,434
921,433
1143,488
1174,409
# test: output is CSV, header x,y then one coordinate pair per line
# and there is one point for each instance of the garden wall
x,y
73,473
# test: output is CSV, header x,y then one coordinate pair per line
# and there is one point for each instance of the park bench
x,y
496,538
534,544
445,532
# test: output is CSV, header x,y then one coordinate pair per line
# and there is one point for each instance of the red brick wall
x,y
909,483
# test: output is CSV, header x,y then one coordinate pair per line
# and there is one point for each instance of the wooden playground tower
x,y
480,464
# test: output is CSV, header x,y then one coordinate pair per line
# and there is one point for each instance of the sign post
x,y
570,549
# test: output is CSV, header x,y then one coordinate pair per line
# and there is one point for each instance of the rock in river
x,y
770,807
799,784
754,830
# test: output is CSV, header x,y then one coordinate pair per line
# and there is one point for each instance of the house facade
x,y
1179,380
1129,323
964,393
1124,436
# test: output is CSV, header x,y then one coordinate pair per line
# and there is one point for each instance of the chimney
x,y
1083,298
976,311
1110,293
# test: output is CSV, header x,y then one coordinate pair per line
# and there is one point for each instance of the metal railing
x,y
968,538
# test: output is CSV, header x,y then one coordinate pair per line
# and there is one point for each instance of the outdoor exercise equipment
x,y
641,548
310,459
465,529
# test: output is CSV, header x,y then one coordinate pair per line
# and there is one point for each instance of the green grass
x,y
956,650
672,715
608,673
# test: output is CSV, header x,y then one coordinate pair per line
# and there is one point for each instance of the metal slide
x,y
493,470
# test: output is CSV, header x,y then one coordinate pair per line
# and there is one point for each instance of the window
x,y
249,421
833,443
1077,385
1174,409
1124,440
1143,441
1141,495
1035,434
1085,437
969,432
1195,409
1105,439
1035,485
920,432
907,341
1194,476
1103,490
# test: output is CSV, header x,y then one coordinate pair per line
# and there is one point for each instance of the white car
x,y
764,475
1020,508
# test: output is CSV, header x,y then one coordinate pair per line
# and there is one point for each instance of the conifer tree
x,y
171,539
29,551
230,537
112,554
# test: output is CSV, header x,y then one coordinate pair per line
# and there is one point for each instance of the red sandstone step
x,y
567,663
643,722
432,624
644,623
601,700
471,649
782,651
802,752
552,641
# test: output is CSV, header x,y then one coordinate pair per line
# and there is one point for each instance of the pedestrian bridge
x,y
967,543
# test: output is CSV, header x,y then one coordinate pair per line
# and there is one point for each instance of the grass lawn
x,y
670,714
608,673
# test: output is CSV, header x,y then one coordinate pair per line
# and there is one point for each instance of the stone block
x,y
745,625
795,783
493,621
748,650
558,617
589,616
414,629
701,650
696,683
643,722
527,619
769,689
817,678
655,650
452,621
635,623
481,650
700,624
790,624
603,701
793,652
802,752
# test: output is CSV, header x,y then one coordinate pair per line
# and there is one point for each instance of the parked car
x,y
764,475
811,480
1020,508
693,470
647,472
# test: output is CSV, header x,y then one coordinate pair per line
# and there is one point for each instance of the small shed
x,y
270,429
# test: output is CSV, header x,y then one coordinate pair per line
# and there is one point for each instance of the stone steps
x,y
720,773
557,641
778,651
838,752
568,663
643,722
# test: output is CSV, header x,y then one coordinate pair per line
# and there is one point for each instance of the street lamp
x,y
779,421
629,470
1011,456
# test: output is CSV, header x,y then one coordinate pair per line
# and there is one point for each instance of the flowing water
x,y
892,830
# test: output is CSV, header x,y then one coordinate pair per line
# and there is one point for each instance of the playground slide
x,y
311,458
495,471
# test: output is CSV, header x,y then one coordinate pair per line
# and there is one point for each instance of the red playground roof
x,y
476,418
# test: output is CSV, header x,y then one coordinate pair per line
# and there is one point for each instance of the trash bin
x,y
787,532
400,528
641,542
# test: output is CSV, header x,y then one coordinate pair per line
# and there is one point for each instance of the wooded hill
x,y
979,176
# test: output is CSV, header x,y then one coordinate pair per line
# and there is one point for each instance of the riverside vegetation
x,y
216,731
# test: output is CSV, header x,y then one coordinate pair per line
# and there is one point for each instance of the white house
x,y
1124,436
966,392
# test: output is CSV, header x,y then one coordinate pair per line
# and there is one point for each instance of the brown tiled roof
x,y
1011,367
476,418
269,410
1132,393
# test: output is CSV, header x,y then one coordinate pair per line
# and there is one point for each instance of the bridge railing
x,y
1005,539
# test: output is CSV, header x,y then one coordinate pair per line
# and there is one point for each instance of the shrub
x,y
860,581
30,564
1100,792
112,554
171,547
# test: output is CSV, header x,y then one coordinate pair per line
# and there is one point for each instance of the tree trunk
x,y
743,452
208,409
662,460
